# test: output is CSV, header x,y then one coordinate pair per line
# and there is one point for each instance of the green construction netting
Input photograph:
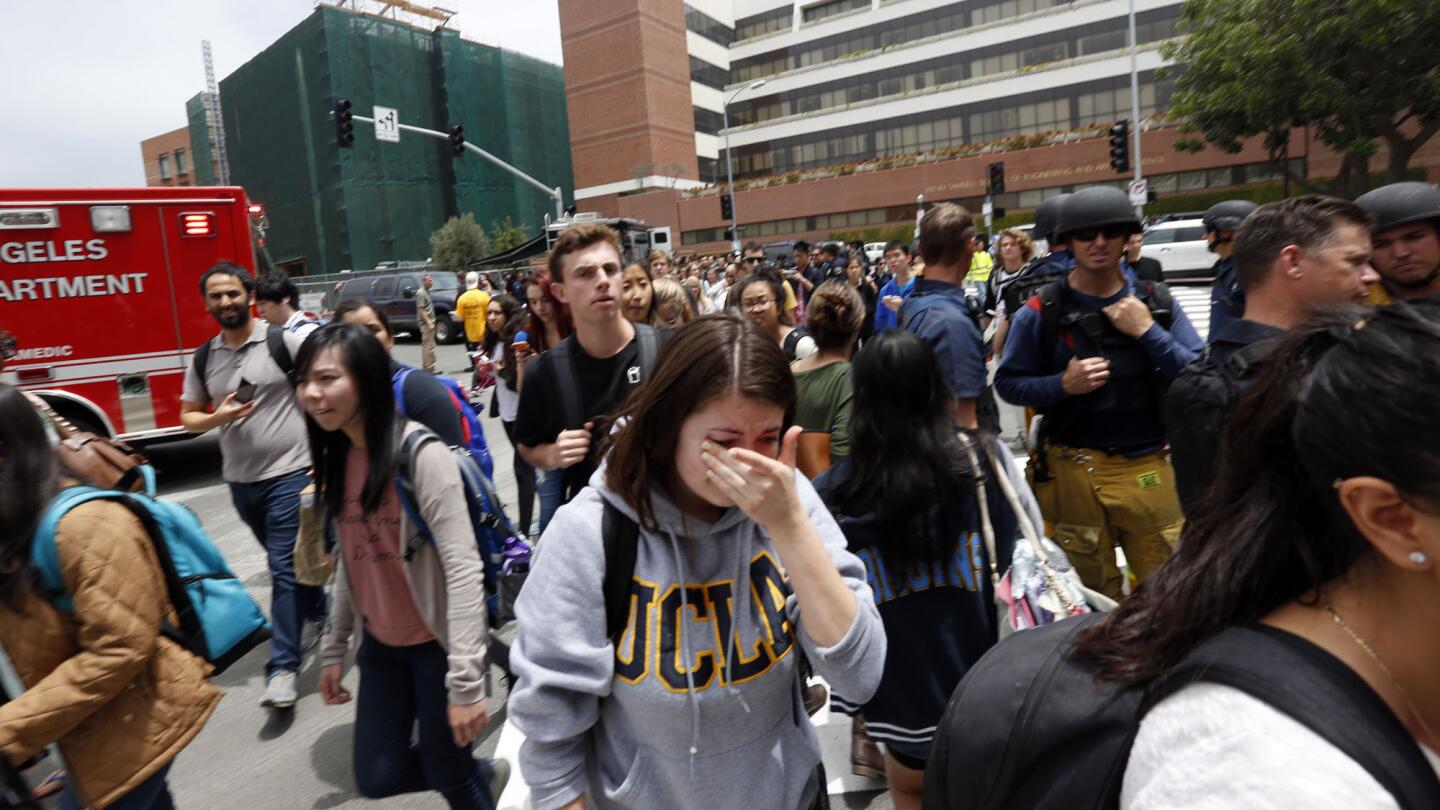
x,y
200,141
337,209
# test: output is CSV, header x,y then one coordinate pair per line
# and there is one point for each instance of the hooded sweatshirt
x,y
673,719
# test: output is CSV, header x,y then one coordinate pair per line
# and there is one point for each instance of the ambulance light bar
x,y
197,224
110,218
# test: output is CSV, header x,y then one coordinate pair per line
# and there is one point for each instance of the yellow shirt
x,y
791,303
980,266
1379,296
471,307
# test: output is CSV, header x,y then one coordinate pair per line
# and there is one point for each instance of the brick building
x,y
168,159
843,112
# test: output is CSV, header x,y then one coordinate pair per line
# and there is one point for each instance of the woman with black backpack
x,y
761,297
503,322
419,604
906,500
119,697
1320,537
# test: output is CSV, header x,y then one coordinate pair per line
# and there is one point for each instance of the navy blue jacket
x,y
1227,300
1122,416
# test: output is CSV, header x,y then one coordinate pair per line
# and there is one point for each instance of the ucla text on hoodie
x,y
654,647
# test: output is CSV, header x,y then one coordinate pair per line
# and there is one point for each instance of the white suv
x,y
1180,247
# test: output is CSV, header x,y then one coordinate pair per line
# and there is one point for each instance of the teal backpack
x,y
218,620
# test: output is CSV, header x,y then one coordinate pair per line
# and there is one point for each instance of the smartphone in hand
x,y
245,392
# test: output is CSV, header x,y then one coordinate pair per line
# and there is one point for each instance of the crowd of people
x,y
755,473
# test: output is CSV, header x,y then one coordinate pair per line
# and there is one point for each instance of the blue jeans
x,y
271,508
552,494
400,686
152,794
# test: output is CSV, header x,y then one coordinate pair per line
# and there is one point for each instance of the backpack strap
x,y
621,538
1160,301
572,411
792,340
649,348
1317,690
1052,305
202,361
405,483
397,387
1244,361
279,352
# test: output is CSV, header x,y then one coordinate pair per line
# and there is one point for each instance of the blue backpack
x,y
470,428
487,513
218,620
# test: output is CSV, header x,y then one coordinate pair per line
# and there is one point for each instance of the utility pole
x,y
215,120
1135,109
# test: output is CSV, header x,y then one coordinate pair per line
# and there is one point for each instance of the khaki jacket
x,y
120,700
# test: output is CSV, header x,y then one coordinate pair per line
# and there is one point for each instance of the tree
x,y
457,243
505,235
1356,71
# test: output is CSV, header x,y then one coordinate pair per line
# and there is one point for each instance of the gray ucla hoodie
x,y
673,719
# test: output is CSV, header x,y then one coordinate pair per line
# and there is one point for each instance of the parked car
x,y
394,294
874,251
1180,247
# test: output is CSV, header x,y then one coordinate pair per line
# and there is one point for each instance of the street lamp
x,y
729,171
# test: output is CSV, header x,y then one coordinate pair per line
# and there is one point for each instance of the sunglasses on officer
x,y
1109,232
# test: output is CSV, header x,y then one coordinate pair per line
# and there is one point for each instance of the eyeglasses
x,y
1109,232
756,304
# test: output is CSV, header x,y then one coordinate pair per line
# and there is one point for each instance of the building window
x,y
758,25
893,32
180,162
831,8
708,122
702,72
164,161
708,27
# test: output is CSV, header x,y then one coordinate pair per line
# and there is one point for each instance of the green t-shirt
x,y
823,405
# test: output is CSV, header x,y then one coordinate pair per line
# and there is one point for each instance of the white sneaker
x,y
280,691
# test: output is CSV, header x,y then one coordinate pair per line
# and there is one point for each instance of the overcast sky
x,y
82,82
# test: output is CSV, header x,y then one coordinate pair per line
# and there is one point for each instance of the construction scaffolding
x,y
334,209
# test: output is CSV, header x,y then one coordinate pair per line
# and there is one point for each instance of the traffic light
x,y
727,207
457,140
997,178
1120,146
344,123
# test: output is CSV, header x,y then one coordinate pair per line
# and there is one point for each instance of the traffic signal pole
x,y
1135,107
555,194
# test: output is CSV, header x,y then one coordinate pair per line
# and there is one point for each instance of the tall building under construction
x,y
330,208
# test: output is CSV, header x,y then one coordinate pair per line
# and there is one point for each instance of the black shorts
x,y
910,761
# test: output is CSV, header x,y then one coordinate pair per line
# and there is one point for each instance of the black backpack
x,y
1197,407
791,344
1029,727
1054,318
563,356
274,343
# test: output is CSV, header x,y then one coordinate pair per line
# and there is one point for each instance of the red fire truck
x,y
100,288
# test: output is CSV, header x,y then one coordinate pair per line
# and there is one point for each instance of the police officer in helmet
x,y
1227,300
1092,352
1405,239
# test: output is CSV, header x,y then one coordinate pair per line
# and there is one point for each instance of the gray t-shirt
x,y
271,441
424,304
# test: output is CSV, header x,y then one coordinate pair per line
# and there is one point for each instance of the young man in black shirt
x,y
567,392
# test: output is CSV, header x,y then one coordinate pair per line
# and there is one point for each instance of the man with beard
x,y
246,369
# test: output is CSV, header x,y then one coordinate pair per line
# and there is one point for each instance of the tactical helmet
x,y
1400,204
1227,216
1047,217
1096,207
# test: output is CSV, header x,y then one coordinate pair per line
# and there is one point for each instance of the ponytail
x,y
1351,392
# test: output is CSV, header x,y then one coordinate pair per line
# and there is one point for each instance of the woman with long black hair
x,y
1322,529
905,498
418,604
503,322
119,697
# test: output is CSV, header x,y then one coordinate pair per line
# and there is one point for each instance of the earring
x,y
1417,557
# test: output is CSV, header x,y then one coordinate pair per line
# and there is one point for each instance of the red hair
x,y
562,312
